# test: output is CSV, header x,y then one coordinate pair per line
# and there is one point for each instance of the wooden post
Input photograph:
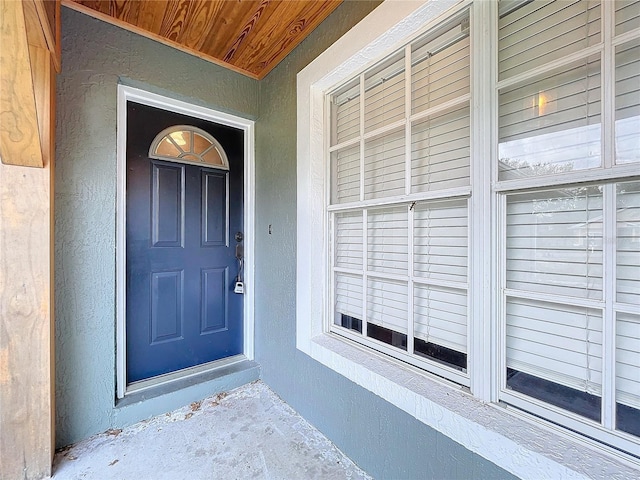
x,y
27,122
26,322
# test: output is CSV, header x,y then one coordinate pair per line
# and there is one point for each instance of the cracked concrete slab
x,y
249,433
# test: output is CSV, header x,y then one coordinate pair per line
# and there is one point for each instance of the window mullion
x,y
608,70
407,116
479,292
362,93
410,289
609,327
365,269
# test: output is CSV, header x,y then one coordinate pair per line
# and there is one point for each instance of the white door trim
x,y
125,94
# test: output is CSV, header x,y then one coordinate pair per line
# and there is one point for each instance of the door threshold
x,y
185,373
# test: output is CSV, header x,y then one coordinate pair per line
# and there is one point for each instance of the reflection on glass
x,y
532,33
168,149
551,124
554,242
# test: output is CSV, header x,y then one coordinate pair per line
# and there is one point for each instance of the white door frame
x,y
125,94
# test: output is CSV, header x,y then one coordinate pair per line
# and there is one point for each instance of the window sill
x,y
524,447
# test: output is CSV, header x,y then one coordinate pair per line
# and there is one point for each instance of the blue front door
x,y
181,267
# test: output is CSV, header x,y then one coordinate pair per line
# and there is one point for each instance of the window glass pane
x,y
440,70
387,240
166,148
628,102
554,354
627,15
345,113
554,242
182,139
348,298
348,244
533,33
440,240
440,324
440,151
200,144
387,308
384,94
384,165
212,156
551,124
628,243
628,373
345,174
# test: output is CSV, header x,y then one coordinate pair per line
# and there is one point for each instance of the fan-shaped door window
x,y
186,144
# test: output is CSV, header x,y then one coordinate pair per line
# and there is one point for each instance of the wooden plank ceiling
x,y
248,36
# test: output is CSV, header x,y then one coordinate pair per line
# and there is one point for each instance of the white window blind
x,y
345,170
384,94
540,31
384,165
551,123
441,68
387,236
628,360
554,242
628,101
348,244
628,243
440,150
387,304
441,241
414,249
440,316
556,342
345,113
348,295
627,15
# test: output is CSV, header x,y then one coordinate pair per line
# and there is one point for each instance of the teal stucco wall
x,y
383,440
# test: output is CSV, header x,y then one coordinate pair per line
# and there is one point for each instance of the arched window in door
x,y
187,144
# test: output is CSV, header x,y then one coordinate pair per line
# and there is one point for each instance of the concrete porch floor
x,y
248,433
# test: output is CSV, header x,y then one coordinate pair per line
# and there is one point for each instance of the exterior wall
x,y
383,440
96,57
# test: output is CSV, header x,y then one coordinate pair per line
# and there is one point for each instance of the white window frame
x,y
520,443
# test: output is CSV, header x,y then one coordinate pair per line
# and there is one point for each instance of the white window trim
x,y
512,440
125,94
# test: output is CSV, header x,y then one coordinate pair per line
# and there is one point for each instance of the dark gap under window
x,y
570,399
628,419
352,323
386,335
447,356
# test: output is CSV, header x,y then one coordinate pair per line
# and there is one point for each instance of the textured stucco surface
x,y
385,441
96,57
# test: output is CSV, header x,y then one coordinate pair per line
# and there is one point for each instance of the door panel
x,y
214,209
167,200
181,219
